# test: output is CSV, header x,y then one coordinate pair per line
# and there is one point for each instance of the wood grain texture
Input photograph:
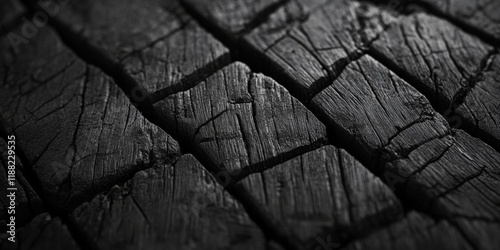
x,y
179,205
325,193
481,107
455,177
366,72
414,232
43,232
77,129
155,41
480,15
445,64
312,49
369,106
395,125
28,204
234,17
242,121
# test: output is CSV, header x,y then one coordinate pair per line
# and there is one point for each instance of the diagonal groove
x,y
35,183
94,56
458,98
485,37
260,63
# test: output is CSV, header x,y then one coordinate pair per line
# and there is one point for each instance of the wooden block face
x,y
452,68
480,112
79,131
478,15
372,106
185,124
180,206
156,42
325,192
241,120
234,17
315,51
439,56
416,231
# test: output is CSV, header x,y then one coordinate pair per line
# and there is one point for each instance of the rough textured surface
x,y
234,17
325,192
369,106
445,64
480,15
454,177
416,231
242,120
43,232
441,57
314,49
481,108
77,129
257,169
159,47
409,137
28,204
180,206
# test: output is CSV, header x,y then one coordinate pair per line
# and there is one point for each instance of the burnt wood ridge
x,y
253,124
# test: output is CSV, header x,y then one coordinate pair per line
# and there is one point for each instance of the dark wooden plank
x,y
178,206
241,120
417,154
27,203
455,177
155,41
479,15
414,232
444,63
43,232
234,17
369,105
325,193
77,129
313,49
481,108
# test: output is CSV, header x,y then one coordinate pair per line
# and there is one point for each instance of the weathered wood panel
x,y
83,136
233,17
241,120
179,206
444,63
439,55
481,108
455,177
314,51
155,41
414,232
479,15
236,18
77,129
369,106
43,232
325,193
395,125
